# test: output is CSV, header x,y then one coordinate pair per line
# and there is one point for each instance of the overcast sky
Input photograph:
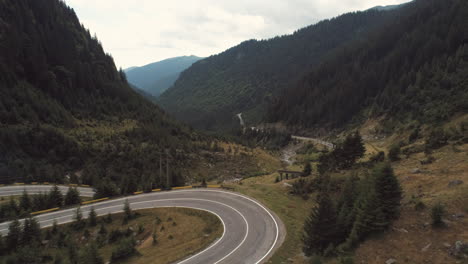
x,y
138,32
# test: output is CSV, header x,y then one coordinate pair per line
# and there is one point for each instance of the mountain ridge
x,y
65,109
156,77
245,78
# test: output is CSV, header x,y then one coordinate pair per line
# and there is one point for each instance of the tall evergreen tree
x,y
320,228
90,255
388,190
92,218
72,197
13,237
25,202
55,197
31,232
307,169
79,222
128,213
346,212
369,215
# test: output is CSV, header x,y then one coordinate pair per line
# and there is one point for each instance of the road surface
x,y
315,140
251,231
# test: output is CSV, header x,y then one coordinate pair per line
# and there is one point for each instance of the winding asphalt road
x,y
251,231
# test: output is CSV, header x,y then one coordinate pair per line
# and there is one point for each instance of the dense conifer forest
x,y
65,108
413,68
246,78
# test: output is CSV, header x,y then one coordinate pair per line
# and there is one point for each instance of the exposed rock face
x,y
460,249
455,183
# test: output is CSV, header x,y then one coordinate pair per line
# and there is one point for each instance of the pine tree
x,y
13,206
128,214
320,228
307,169
54,229
79,223
14,235
92,218
388,190
437,214
350,151
55,197
346,213
2,246
90,255
369,216
25,202
108,218
31,231
72,197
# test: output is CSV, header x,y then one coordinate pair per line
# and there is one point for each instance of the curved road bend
x,y
251,231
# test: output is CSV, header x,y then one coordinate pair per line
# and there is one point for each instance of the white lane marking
x,y
232,193
175,199
272,217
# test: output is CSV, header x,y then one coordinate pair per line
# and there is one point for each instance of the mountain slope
x,y
413,69
245,78
157,77
64,107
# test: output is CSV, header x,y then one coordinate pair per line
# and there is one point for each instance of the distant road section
x,y
315,140
251,231
37,189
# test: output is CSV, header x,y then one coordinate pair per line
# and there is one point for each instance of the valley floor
x,y
412,239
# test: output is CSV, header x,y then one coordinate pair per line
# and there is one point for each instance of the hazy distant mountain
x,y
130,68
157,77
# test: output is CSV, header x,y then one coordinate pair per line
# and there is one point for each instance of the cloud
x,y
137,32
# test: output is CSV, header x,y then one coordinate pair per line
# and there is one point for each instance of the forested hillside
x,y
155,78
247,77
414,68
65,108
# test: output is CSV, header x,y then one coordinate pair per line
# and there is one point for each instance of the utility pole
x,y
160,168
167,169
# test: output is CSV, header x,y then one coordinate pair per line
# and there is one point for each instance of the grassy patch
x,y
292,210
180,232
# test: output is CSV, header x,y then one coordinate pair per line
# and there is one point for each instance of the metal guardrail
x,y
45,211
95,201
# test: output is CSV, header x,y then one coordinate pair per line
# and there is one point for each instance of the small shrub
x,y
108,218
346,260
158,220
174,224
394,153
170,237
125,249
316,260
428,160
301,187
155,239
141,229
438,212
379,157
207,230
419,206
414,135
437,138
115,235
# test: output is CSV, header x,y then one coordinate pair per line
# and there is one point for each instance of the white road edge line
x,y
174,199
232,193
